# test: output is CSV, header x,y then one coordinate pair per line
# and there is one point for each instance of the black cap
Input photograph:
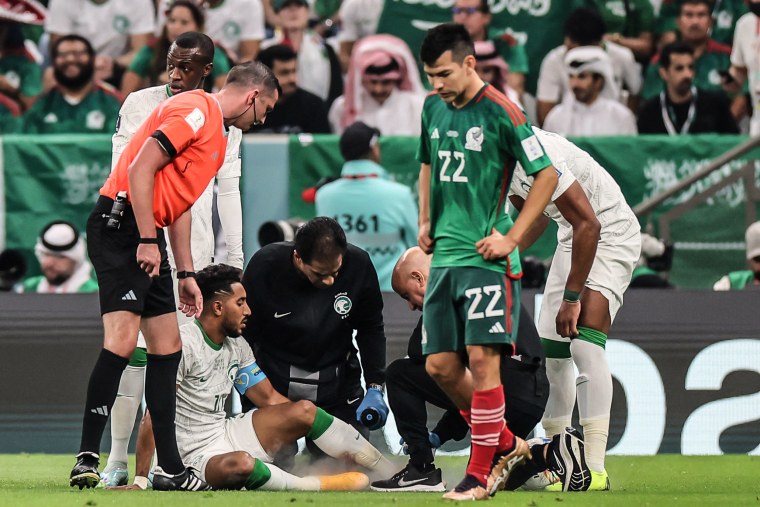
x,y
357,140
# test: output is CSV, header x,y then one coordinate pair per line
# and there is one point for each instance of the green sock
x,y
322,421
556,349
592,336
259,476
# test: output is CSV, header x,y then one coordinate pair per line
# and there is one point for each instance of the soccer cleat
x,y
600,481
469,489
412,479
85,472
349,481
115,474
185,481
566,458
541,481
504,464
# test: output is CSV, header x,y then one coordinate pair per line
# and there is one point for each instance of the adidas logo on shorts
x,y
129,296
497,328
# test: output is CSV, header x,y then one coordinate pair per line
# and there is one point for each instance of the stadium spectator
x,y
629,23
148,68
694,24
318,66
189,60
236,452
749,278
682,107
60,251
79,103
745,64
239,35
475,15
117,30
142,195
383,88
20,72
358,19
655,261
585,27
378,215
588,112
307,298
492,69
725,15
297,110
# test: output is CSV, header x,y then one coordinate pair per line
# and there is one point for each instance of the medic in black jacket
x,y
307,298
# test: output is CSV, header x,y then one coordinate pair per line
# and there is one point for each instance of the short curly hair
x,y
216,280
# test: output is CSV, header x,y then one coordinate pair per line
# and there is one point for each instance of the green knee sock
x,y
259,476
322,421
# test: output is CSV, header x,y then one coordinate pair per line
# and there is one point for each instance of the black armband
x,y
165,143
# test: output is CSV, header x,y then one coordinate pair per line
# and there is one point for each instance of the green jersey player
x,y
472,137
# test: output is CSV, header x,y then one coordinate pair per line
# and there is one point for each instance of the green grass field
x,y
38,479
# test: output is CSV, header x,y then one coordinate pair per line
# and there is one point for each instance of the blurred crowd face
x,y
469,14
73,67
487,73
679,76
286,72
184,69
178,21
450,79
586,86
56,269
694,22
379,89
294,16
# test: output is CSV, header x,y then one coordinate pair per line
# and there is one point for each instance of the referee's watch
x,y
181,275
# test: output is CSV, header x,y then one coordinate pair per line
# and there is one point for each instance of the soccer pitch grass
x,y
39,479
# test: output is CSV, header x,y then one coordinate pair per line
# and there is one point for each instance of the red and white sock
x,y
487,422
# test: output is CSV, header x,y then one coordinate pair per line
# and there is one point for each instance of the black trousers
x,y
526,390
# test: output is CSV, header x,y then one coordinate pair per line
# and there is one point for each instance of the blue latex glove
x,y
433,438
373,400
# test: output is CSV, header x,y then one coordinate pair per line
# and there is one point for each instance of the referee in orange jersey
x,y
162,171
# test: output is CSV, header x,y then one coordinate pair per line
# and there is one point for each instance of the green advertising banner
x,y
51,177
708,240
536,24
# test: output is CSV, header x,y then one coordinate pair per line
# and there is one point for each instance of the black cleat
x,y
411,479
85,472
505,463
185,481
566,458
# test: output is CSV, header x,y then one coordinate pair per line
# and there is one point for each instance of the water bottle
x,y
117,210
369,417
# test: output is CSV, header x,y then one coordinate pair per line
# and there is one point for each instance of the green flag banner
x,y
708,240
50,177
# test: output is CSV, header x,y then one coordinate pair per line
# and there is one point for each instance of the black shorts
x,y
123,285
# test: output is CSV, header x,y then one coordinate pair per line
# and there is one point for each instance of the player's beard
x,y
79,81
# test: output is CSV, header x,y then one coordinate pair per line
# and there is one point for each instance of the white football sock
x,y
124,411
341,439
559,407
282,480
594,385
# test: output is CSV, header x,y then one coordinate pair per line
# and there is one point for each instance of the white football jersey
x,y
135,110
573,164
205,376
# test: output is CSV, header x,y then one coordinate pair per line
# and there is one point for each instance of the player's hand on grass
x,y
149,258
495,246
190,298
423,238
567,319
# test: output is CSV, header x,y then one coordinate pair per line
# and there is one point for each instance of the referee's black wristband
x,y
148,241
181,275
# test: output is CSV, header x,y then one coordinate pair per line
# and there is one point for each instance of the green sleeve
x,y
646,21
31,81
666,21
516,57
221,64
652,81
30,121
141,62
423,149
524,146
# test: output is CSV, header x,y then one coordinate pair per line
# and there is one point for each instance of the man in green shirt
x,y
472,137
65,268
78,104
748,278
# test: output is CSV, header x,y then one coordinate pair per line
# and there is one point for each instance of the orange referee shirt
x,y
193,124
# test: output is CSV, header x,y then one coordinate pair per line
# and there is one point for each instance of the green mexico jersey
x,y
472,152
53,114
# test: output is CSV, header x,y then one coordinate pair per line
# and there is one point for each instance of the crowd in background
x,y
625,66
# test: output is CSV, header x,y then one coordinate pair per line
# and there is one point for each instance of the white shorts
x,y
610,275
239,435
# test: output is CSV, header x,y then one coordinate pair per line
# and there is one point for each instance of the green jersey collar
x,y
206,338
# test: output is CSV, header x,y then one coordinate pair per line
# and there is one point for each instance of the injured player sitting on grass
x,y
236,452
